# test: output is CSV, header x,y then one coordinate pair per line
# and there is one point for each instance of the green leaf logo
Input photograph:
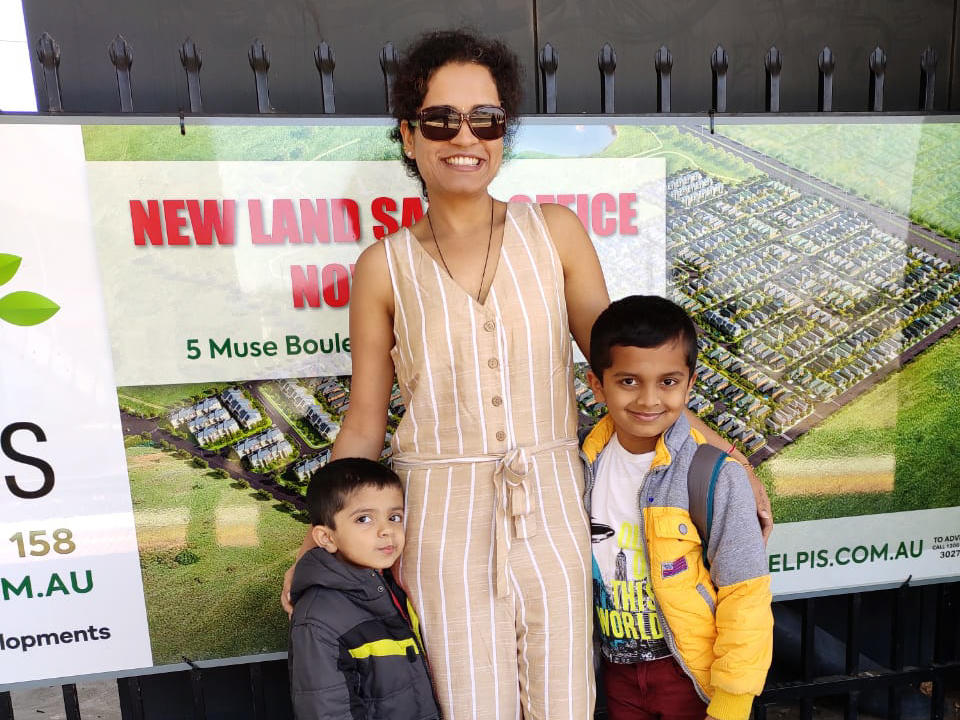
x,y
22,308
9,264
26,308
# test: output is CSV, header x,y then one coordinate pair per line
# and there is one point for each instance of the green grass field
x,y
225,604
681,150
913,169
250,142
155,400
911,415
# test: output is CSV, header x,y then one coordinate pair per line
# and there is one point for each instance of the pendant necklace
x,y
483,275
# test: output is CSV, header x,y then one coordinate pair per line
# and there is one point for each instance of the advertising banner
x,y
70,587
201,284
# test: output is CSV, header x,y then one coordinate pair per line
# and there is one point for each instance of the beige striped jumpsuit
x,y
497,556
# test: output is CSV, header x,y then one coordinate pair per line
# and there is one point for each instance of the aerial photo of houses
x,y
822,270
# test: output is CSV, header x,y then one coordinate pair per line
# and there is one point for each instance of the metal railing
x,y
120,54
840,665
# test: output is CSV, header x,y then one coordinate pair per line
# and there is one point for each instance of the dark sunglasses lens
x,y
443,123
439,124
488,124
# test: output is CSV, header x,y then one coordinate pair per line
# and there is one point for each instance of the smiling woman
x,y
472,308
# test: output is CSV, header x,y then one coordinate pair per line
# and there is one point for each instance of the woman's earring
x,y
410,154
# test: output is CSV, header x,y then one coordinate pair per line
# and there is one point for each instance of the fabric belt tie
x,y
516,504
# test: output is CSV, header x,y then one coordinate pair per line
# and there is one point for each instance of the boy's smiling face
x,y
369,528
645,390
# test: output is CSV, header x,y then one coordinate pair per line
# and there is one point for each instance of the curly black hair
x,y
434,50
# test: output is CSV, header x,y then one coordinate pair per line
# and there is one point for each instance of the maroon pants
x,y
655,690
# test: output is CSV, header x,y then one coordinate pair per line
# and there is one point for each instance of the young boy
x,y
355,649
675,635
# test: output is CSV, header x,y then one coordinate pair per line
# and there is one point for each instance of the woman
x,y
472,309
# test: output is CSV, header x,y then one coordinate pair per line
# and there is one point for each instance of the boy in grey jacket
x,y
355,649
683,613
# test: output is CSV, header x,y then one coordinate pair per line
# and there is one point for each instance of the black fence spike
x,y
773,64
121,55
928,77
607,62
663,62
389,63
827,65
719,64
326,62
549,61
48,53
260,63
192,61
71,702
878,67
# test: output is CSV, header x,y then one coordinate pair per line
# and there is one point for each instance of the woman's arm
x,y
584,288
371,339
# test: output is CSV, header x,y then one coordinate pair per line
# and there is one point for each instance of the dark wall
x,y
358,29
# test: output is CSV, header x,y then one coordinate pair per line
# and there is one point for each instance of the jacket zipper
x,y
667,632
422,653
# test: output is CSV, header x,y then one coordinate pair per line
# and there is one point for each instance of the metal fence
x,y
892,652
120,54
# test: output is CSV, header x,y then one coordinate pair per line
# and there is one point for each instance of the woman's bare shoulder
x,y
371,277
374,256
567,232
558,215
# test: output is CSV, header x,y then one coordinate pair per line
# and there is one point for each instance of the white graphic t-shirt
x,y
623,600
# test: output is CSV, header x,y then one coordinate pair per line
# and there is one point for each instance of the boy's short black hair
x,y
643,321
329,487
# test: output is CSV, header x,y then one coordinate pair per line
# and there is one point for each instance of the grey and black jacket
x,y
355,649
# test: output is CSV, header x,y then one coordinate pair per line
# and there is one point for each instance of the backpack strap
x,y
701,484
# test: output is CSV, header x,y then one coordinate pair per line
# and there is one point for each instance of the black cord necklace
x,y
486,259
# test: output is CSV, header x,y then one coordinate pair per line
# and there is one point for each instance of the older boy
x,y
679,627
355,649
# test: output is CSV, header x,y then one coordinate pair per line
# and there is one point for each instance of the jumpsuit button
x,y
501,435
489,325
493,363
496,400
380,588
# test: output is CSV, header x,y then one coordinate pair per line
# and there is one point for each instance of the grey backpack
x,y
702,478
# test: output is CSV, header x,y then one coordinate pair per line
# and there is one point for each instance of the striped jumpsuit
x,y
497,554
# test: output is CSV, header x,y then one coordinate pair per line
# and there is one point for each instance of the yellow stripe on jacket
x,y
383,648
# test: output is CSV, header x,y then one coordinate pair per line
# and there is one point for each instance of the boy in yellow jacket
x,y
686,631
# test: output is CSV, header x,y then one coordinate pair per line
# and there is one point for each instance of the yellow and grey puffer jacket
x,y
717,622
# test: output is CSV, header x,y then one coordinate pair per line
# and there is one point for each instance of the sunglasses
x,y
442,122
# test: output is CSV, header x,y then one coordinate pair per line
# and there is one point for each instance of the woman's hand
x,y
285,592
306,546
764,510
371,337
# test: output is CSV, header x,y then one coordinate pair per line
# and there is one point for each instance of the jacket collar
x,y
318,567
667,444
